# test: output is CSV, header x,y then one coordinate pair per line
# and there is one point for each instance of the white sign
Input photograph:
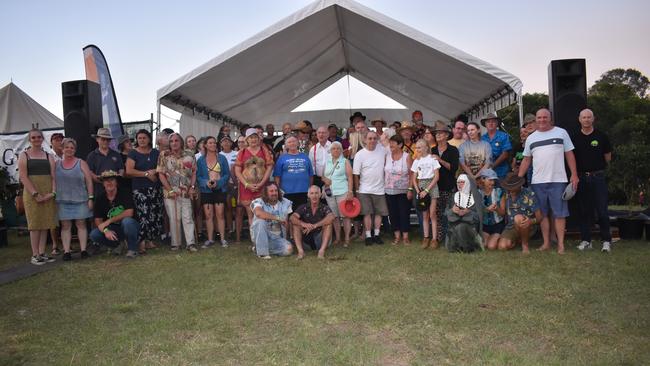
x,y
12,145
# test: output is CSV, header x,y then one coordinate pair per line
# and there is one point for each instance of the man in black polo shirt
x,y
593,151
103,158
114,216
312,224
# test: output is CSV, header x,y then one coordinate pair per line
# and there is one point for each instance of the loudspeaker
x,y
82,113
567,92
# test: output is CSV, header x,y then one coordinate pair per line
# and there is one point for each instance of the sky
x,y
149,44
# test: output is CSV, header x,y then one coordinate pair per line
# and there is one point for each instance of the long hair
x,y
265,192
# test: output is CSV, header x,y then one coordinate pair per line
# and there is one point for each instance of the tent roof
x,y
18,112
283,66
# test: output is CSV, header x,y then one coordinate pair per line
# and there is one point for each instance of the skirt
x,y
73,210
40,216
424,183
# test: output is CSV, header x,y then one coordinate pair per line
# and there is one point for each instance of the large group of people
x,y
306,188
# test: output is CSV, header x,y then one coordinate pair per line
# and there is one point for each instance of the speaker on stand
x,y
82,113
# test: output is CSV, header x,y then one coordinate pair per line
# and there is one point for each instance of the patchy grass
x,y
379,305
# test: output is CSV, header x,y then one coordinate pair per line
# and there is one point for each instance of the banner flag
x,y
97,71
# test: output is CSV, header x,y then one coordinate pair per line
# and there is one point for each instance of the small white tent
x,y
267,76
19,112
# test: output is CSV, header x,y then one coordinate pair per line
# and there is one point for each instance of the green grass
x,y
364,306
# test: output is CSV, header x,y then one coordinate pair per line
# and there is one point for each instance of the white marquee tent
x,y
264,78
19,112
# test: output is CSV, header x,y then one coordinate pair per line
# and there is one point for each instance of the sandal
x,y
395,241
150,245
346,244
142,252
55,251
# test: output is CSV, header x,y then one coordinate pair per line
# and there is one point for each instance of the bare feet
x,y
395,241
300,256
346,244
321,255
524,249
544,248
406,241
336,242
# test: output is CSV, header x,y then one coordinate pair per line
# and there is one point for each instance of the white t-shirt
x,y
318,155
369,166
425,167
547,149
231,157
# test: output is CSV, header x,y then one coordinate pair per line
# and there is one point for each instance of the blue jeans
x,y
268,243
592,195
127,229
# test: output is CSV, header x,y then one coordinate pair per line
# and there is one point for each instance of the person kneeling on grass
x,y
312,224
114,216
269,227
465,218
523,213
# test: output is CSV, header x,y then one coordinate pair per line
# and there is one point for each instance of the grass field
x,y
380,305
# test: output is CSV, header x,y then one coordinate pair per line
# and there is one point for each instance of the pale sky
x,y
151,43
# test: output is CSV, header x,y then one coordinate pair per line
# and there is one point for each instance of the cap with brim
x,y
490,115
528,119
108,174
374,121
512,182
122,139
250,132
302,127
332,125
569,192
406,125
226,137
56,135
350,208
104,133
489,174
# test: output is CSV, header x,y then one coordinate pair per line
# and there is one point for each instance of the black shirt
x,y
447,180
306,215
105,209
590,150
99,163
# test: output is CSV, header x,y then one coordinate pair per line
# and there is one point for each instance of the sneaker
x,y
174,248
131,254
369,241
607,247
84,254
224,243
37,260
207,244
47,259
264,256
584,245
377,240
67,256
254,249
191,248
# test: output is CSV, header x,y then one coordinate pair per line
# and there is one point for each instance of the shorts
x,y
373,204
297,199
424,183
513,235
333,203
313,240
549,196
211,198
494,228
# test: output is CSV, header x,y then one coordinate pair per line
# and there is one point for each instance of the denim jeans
x,y
127,229
268,243
592,195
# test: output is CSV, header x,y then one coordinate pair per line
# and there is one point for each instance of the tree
x,y
637,82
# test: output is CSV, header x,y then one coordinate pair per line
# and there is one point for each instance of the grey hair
x,y
336,143
69,140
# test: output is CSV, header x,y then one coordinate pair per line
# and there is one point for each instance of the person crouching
x,y
312,224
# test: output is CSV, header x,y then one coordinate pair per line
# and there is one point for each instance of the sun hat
x,y
440,126
512,182
569,192
350,208
105,133
122,139
108,174
302,127
357,115
406,125
423,203
491,115
380,120
489,174
250,132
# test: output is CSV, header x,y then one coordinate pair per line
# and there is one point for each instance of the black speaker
x,y
567,92
82,113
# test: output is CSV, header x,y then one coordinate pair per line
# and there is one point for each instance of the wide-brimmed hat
x,y
108,174
488,174
104,132
423,203
406,125
122,139
380,120
357,115
440,126
528,119
350,208
302,127
569,192
512,182
491,115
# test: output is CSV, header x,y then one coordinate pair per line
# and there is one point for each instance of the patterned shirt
x,y
526,204
177,170
306,214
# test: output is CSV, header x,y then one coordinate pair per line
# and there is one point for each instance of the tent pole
x,y
158,115
520,104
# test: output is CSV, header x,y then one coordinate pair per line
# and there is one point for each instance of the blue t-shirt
x,y
499,144
144,162
294,172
